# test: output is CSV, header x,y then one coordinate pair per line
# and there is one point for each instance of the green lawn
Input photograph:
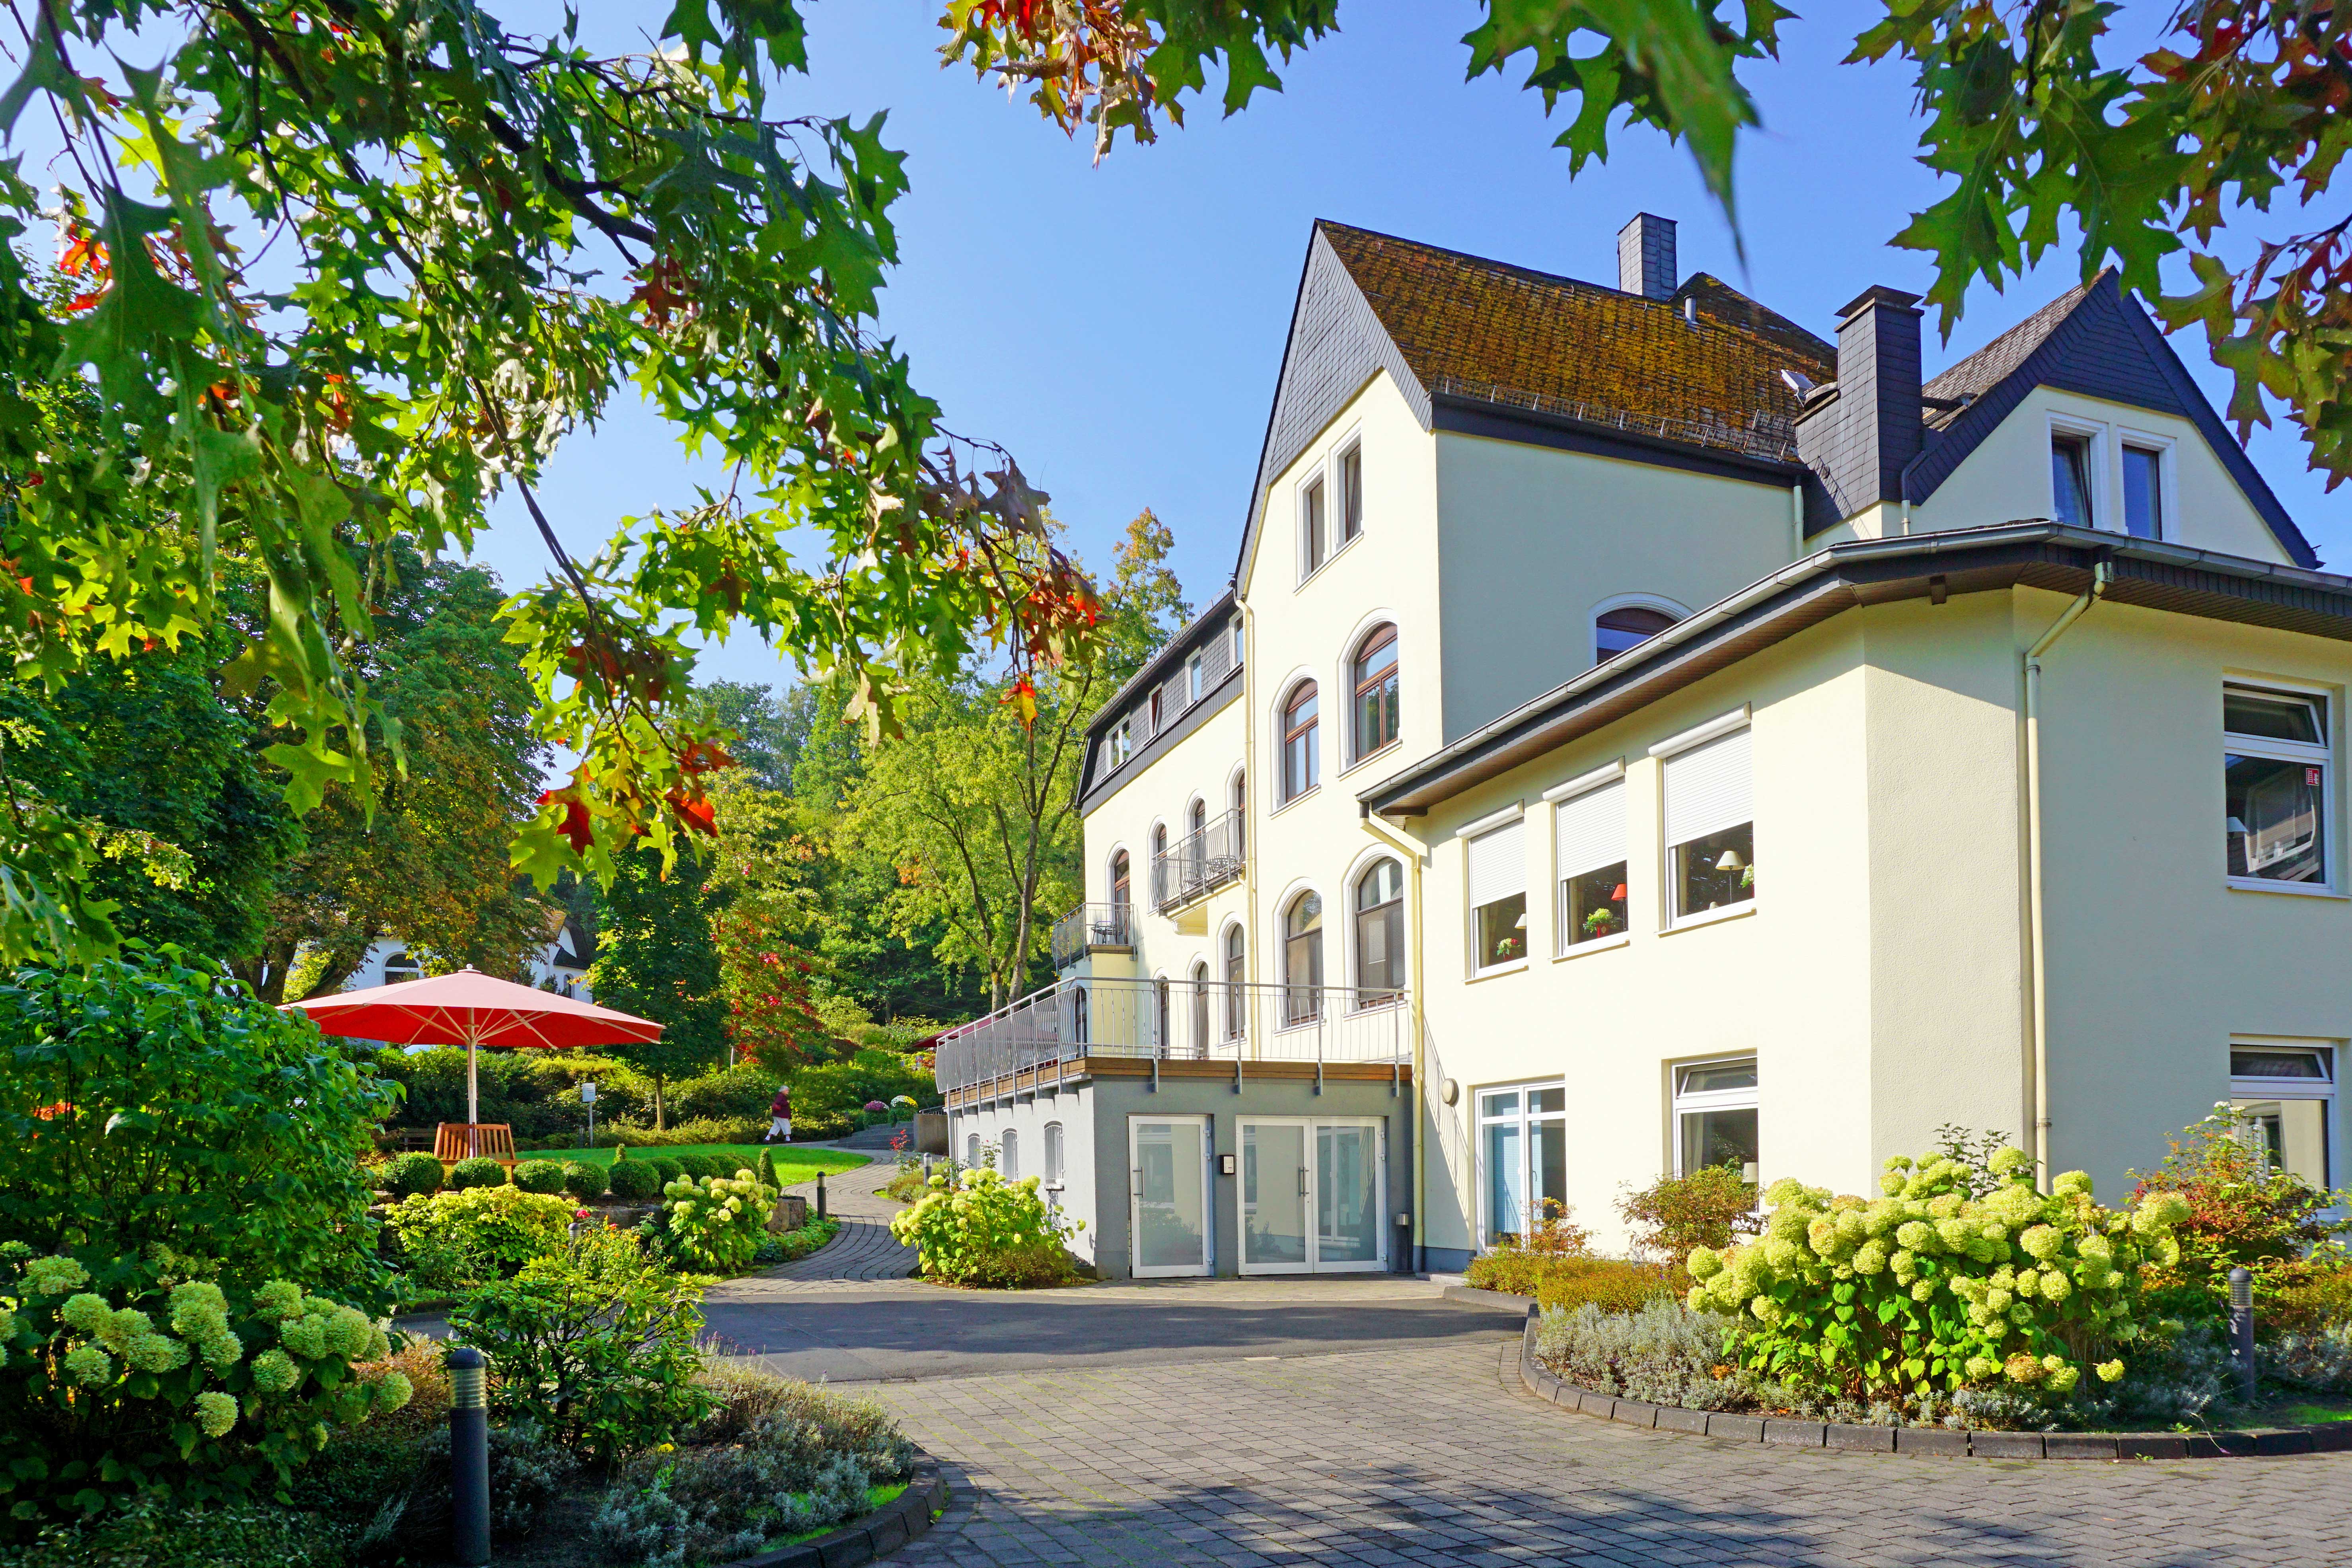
x,y
795,1162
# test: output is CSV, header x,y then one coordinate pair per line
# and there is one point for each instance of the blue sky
x,y
1119,327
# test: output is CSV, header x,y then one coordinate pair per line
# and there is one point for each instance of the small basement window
x,y
2284,1100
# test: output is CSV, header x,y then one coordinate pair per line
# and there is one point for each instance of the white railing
x,y
1176,1020
1199,861
1091,926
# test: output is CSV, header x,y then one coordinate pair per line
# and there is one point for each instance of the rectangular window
x,y
1155,711
1523,1150
2285,1096
1711,836
1192,673
2143,492
1498,896
1122,743
1715,1116
1310,527
1351,493
1590,833
2070,479
2275,763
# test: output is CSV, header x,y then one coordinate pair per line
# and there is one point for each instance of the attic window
x,y
2070,478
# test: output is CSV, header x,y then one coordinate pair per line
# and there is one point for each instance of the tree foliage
x,y
654,958
2032,111
334,278
765,923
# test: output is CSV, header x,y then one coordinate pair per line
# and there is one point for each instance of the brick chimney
x,y
1646,256
1859,441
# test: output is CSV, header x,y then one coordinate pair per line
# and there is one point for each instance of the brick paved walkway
x,y
1436,1456
861,1254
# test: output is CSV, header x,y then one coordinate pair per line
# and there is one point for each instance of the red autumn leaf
x,y
575,825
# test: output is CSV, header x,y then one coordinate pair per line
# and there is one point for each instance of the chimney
x,y
1646,256
1878,419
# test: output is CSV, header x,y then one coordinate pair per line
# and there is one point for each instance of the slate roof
x,y
1986,368
1485,330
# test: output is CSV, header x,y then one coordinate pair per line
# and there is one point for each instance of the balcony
x,y
1197,863
1051,1035
1092,926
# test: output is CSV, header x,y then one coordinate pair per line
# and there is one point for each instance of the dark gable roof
x,y
2092,341
1446,324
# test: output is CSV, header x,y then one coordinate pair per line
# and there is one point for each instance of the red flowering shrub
x,y
2245,1212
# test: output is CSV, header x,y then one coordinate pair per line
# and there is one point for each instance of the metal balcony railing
x,y
1177,1020
1091,925
1199,861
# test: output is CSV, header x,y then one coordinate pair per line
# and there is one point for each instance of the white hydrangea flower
x,y
215,1413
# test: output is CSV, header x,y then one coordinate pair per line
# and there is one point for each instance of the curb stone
x,y
876,1535
2330,1437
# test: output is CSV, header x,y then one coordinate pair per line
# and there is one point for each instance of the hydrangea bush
x,y
985,1230
459,1239
716,1223
1927,1290
192,1388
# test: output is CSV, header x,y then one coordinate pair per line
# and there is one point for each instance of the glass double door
x,y
1310,1195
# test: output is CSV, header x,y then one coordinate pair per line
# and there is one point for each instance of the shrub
x,y
586,1181
1665,1353
784,1247
818,1126
680,1135
766,1169
594,1345
667,1168
715,1223
2243,1211
634,1180
539,1177
196,1119
1711,1207
871,1076
461,1239
909,1185
775,1460
1571,1281
151,1531
370,1466
481,1170
739,1093
1928,1290
2321,1359
412,1175
198,1389
984,1231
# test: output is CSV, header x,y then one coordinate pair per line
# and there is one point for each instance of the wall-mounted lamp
x,y
1449,1092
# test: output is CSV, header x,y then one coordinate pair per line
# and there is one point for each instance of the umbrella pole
x,y
473,1106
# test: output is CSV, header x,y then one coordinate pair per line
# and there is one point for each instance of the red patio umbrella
x,y
471,1009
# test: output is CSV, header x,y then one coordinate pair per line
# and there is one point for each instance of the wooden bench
x,y
456,1140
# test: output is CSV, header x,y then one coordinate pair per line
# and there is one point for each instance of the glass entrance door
x,y
1169,1176
1274,1194
1311,1196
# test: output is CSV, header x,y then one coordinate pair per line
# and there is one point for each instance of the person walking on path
x,y
780,1112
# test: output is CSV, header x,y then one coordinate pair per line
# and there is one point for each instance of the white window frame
x,y
1670,916
1309,483
1510,816
2097,440
2168,506
1008,1154
1121,742
1351,444
2331,1054
1056,1156
2322,756
1679,1103
1313,1263
1558,797
1480,1121
1193,668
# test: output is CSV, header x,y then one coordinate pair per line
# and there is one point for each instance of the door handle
x,y
1302,1181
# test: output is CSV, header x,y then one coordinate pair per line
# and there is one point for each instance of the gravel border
x,y
2329,1437
876,1535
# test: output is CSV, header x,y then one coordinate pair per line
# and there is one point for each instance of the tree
x,y
419,854
654,958
2241,99
977,806
767,730
765,922
472,239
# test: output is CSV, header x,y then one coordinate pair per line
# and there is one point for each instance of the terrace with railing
x,y
1049,1034
1197,863
1090,926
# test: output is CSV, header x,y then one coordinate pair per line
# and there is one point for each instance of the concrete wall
x,y
1074,1109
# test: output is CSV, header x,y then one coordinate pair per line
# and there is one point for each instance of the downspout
x,y
1251,784
1416,988
1796,523
2103,573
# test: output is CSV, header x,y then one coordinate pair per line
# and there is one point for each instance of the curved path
x,y
862,1253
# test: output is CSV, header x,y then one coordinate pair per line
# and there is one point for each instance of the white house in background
x,y
559,963
1641,733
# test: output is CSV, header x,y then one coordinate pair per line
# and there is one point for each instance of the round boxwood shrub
x,y
586,1182
669,1169
635,1180
707,1167
412,1175
539,1177
481,1170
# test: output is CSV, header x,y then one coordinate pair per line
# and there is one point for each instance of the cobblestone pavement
x,y
1434,1455
863,1252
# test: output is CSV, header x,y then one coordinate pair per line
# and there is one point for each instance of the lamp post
x,y
588,1098
469,1460
2242,1329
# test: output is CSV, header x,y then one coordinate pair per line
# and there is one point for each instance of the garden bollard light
x,y
820,1194
2242,1329
469,1460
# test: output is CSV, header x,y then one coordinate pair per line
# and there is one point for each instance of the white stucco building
x,y
1642,733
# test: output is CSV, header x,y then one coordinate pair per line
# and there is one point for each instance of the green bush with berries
x,y
176,1387
1929,1289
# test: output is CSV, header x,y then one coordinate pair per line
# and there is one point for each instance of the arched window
x,y
1302,960
1198,817
1300,768
1375,677
1200,1007
1008,1158
971,1151
1053,1163
1379,933
1163,889
1241,812
1614,631
1236,970
401,966
1118,881
1161,1014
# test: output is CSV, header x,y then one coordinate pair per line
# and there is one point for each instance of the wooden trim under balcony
x,y
1075,1072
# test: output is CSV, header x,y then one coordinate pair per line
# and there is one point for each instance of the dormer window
x,y
1312,545
2143,492
2070,478
1119,744
1629,626
1155,711
1194,669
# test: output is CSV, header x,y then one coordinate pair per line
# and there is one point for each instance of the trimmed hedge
x,y
669,1168
539,1177
413,1176
636,1181
587,1183
1608,1283
481,1170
